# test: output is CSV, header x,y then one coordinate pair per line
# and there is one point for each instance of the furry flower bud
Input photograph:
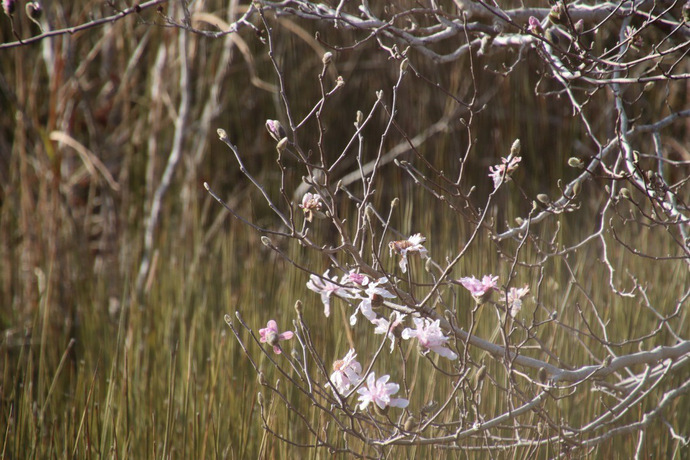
x,y
9,6
276,130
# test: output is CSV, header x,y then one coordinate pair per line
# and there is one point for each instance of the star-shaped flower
x,y
271,336
480,290
375,296
410,245
346,372
430,337
502,172
327,287
379,392
514,299
384,326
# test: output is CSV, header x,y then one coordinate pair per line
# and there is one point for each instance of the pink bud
x,y
8,6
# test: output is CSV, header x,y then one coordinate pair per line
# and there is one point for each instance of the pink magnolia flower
x,y
404,247
480,290
502,172
346,372
326,287
379,392
430,336
384,326
271,336
514,299
311,205
352,277
375,296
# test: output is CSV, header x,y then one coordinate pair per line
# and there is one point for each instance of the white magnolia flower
x,y
410,245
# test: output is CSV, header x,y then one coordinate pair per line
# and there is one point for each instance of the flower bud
x,y
266,241
534,26
576,188
369,212
276,130
428,265
625,193
410,423
515,148
9,6
222,135
298,307
379,411
339,82
479,376
557,14
544,198
34,11
327,58
282,145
